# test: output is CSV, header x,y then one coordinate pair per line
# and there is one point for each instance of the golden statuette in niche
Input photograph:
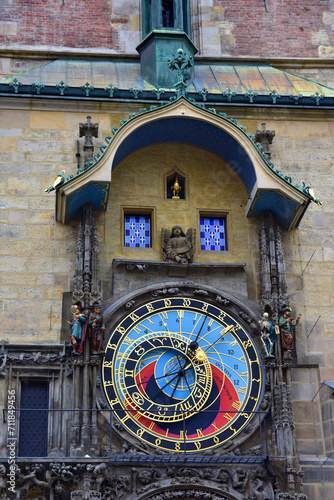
x,y
176,189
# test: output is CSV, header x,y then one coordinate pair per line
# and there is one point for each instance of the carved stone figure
x,y
268,335
265,137
240,480
78,330
96,330
99,473
224,478
286,325
165,291
260,485
177,246
28,484
147,476
88,130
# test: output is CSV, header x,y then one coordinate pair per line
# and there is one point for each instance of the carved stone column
x,y
86,282
272,268
84,434
273,298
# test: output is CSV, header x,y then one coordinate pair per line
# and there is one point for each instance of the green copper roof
x,y
217,78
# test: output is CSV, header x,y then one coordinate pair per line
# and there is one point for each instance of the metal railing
x,y
79,418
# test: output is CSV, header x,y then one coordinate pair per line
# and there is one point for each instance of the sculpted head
x,y
177,231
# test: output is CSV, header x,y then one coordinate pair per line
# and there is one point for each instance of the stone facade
x,y
39,255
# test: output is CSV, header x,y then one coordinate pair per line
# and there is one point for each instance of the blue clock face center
x,y
173,375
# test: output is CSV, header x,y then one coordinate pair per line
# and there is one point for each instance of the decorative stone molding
x,y
86,283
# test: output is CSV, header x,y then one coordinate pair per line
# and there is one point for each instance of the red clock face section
x,y
182,374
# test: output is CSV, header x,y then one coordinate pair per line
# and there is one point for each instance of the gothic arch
x,y
184,122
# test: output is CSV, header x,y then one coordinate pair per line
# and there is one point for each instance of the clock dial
x,y
182,374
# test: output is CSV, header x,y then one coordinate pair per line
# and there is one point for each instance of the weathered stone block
x,y
13,246
307,375
37,231
31,292
5,157
10,132
26,306
38,146
39,265
309,431
324,491
9,292
16,216
8,144
306,391
306,411
49,120
44,279
39,134
21,186
22,278
328,18
12,231
320,38
18,157
39,217
310,447
41,246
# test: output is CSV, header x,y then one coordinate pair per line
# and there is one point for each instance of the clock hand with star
x,y
200,354
222,334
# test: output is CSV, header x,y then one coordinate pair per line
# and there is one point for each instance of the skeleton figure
x,y
268,335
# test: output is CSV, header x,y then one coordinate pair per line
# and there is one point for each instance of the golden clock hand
x,y
200,354
223,333
163,322
194,344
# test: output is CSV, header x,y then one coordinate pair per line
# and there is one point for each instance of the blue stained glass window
x,y
137,231
213,233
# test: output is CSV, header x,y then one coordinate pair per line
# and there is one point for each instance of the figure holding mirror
x,y
78,326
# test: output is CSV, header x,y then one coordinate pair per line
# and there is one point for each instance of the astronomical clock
x,y
182,374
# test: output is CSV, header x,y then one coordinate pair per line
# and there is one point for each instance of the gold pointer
x,y
200,354
223,333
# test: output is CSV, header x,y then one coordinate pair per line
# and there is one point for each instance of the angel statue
x,y
177,246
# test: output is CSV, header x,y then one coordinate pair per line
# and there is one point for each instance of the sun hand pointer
x,y
200,353
222,334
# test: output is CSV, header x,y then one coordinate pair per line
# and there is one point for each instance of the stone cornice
x,y
51,52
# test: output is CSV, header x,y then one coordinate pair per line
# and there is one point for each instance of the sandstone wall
x,y
37,255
